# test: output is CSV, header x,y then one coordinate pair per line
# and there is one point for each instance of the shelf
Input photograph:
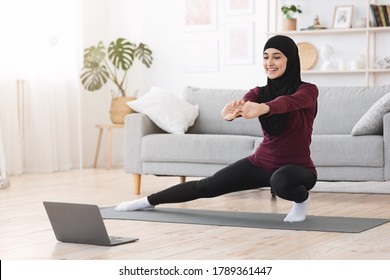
x,y
379,29
369,42
332,31
361,71
378,70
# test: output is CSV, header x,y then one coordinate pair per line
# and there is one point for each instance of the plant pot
x,y
290,24
119,109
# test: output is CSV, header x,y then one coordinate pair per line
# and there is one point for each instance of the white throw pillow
x,y
371,123
170,113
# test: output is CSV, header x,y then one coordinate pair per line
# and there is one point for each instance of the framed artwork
x,y
199,55
200,15
239,7
239,43
342,17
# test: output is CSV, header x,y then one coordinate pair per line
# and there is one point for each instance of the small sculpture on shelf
x,y
316,25
317,21
326,53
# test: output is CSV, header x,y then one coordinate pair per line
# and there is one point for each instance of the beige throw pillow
x,y
371,123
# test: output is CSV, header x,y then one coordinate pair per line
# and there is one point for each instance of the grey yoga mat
x,y
245,219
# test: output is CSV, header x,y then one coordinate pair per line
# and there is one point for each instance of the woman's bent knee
x,y
292,182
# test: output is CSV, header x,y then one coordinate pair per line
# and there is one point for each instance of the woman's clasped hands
x,y
232,110
242,108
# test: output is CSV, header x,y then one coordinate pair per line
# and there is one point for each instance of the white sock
x,y
298,211
139,204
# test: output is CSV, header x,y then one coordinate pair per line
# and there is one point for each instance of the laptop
x,y
80,223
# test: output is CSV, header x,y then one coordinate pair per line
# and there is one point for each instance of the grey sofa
x,y
212,143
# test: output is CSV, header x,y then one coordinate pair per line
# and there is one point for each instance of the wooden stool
x,y
109,128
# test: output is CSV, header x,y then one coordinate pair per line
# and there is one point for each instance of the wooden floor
x,y
25,232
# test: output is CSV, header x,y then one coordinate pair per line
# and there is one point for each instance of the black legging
x,y
290,182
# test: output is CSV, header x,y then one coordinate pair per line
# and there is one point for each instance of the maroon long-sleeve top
x,y
293,145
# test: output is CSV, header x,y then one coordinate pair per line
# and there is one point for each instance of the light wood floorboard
x,y
25,232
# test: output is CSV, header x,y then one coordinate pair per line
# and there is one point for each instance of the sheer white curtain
x,y
4,181
39,84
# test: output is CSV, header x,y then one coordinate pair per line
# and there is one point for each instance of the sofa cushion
x,y
205,148
347,150
211,102
372,121
340,108
167,111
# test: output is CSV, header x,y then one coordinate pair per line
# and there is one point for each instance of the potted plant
x,y
102,65
290,22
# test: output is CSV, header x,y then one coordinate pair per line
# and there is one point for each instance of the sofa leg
x,y
137,183
182,179
273,195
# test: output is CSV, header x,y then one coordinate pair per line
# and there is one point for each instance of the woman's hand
x,y
232,110
252,110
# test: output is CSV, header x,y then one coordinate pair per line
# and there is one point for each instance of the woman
x,y
286,108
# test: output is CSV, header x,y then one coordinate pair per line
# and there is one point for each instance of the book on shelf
x,y
386,14
380,15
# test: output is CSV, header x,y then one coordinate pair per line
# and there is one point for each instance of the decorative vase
x,y
289,24
119,109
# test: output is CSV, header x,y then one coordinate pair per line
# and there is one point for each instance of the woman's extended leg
x,y
239,176
293,182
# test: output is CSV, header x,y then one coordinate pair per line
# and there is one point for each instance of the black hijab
x,y
285,85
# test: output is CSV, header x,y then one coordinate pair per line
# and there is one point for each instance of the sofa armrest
x,y
137,125
386,140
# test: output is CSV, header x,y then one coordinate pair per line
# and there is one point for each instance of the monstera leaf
x,y
94,56
144,54
94,78
121,53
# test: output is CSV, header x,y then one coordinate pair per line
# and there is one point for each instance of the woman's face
x,y
274,63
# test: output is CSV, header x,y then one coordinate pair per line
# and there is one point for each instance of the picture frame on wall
x,y
200,15
239,43
239,7
342,17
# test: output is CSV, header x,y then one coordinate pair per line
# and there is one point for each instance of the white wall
x,y
94,106
159,23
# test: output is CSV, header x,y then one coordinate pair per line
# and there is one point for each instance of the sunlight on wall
x,y
39,84
39,34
